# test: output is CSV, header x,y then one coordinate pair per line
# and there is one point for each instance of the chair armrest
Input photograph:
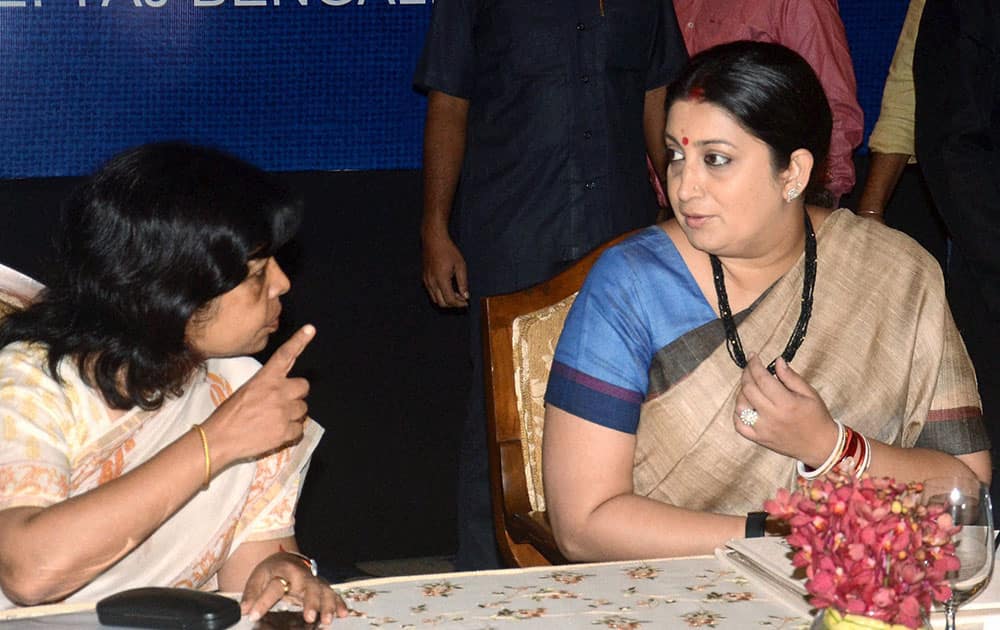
x,y
533,528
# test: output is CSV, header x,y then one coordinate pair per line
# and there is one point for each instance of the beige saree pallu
x,y
881,350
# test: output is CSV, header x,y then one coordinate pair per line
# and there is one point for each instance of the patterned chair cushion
x,y
534,338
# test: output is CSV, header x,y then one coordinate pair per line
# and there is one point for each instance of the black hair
x,y
771,91
151,238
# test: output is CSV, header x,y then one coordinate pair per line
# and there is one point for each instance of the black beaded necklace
x,y
733,343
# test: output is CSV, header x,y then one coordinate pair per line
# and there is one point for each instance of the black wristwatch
x,y
755,524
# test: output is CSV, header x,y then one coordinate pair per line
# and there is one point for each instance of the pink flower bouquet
x,y
869,547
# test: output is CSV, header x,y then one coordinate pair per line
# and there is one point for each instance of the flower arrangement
x,y
868,546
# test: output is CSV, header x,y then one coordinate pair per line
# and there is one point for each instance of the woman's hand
x,y
267,412
792,418
284,575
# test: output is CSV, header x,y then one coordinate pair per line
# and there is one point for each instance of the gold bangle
x,y
208,458
874,213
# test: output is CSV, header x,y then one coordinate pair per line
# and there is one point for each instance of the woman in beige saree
x,y
141,447
711,359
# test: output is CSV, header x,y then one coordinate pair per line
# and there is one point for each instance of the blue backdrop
x,y
290,87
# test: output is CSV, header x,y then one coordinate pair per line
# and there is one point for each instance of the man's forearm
x,y
444,150
884,171
654,119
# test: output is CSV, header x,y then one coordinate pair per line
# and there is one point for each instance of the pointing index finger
x,y
284,357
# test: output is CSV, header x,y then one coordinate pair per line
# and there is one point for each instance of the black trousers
x,y
477,543
976,320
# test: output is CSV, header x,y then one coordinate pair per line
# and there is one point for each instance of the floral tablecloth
x,y
679,593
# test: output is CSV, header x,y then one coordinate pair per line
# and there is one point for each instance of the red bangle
x,y
856,454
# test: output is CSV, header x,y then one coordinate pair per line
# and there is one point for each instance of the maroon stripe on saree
x,y
958,413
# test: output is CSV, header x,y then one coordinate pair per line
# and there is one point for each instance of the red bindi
x,y
684,140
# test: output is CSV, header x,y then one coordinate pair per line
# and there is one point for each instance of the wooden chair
x,y
520,331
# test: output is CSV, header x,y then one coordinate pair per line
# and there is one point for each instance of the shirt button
x,y
587,134
690,24
590,185
580,26
584,78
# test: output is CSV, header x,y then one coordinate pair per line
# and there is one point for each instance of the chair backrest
x,y
520,332
534,336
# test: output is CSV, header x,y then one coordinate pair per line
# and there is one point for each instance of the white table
x,y
699,592
677,593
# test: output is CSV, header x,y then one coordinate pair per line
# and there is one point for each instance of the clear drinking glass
x,y
968,502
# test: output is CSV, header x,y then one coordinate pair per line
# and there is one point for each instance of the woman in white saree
x,y
140,446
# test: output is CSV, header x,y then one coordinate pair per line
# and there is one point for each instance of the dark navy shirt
x,y
555,155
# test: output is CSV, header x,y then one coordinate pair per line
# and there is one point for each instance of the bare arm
x,y
884,171
444,270
892,140
40,563
590,500
654,119
924,463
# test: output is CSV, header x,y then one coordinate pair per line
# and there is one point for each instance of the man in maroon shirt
x,y
813,29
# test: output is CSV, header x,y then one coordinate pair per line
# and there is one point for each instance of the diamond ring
x,y
749,416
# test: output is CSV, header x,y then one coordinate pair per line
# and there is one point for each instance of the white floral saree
x,y
57,441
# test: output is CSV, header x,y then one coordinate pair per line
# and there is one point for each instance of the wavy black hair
x,y
771,91
143,245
